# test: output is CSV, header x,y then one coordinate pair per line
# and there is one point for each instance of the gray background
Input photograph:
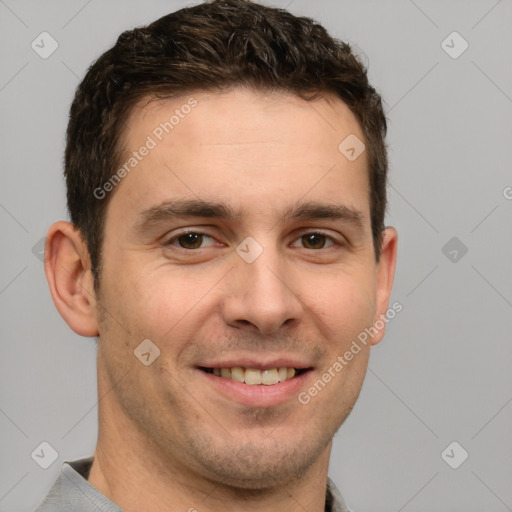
x,y
443,372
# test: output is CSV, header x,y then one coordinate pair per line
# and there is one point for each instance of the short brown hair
x,y
214,46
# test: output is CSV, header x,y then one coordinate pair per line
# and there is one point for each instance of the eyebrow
x,y
311,210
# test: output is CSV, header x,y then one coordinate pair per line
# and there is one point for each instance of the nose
x,y
262,295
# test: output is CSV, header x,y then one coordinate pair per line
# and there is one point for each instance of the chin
x,y
261,466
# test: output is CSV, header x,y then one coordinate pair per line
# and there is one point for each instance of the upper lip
x,y
257,362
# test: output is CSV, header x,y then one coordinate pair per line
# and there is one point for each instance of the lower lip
x,y
257,395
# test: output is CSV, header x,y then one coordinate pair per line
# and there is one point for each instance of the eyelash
x,y
170,241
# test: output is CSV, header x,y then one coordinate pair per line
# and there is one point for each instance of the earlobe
x,y
68,271
385,277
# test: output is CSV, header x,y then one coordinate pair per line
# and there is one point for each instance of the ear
x,y
385,275
68,271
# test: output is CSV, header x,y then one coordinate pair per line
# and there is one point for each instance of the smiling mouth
x,y
256,376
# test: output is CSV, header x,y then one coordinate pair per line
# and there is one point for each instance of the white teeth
x,y
269,377
238,374
226,373
255,376
252,376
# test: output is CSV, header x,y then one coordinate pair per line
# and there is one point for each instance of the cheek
x,y
165,300
345,304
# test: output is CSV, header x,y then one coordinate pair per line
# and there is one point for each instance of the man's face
x,y
295,295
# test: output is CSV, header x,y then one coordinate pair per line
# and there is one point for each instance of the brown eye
x,y
190,240
314,240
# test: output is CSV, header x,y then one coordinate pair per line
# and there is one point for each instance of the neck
x,y
140,491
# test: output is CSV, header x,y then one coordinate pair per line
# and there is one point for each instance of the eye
x,y
189,240
316,240
195,240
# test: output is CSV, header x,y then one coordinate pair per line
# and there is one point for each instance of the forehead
x,y
243,146
234,117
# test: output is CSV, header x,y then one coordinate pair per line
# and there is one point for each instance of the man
x,y
226,175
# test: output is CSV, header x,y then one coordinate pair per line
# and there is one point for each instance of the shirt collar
x,y
334,500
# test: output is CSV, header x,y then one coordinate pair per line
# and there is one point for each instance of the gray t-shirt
x,y
72,493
